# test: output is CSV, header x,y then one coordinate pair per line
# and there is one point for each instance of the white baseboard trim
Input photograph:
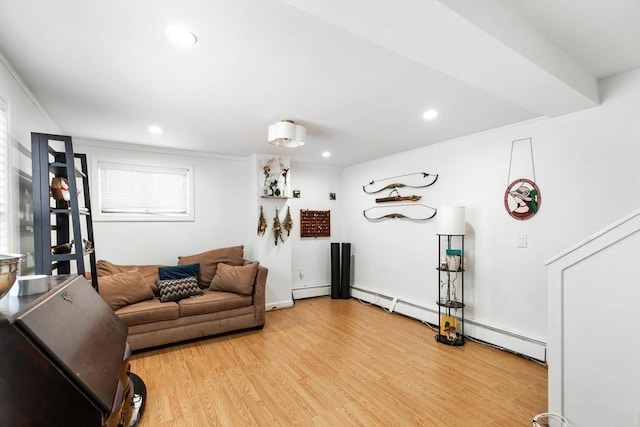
x,y
278,304
311,291
508,340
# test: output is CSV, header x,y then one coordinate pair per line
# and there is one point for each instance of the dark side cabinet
x,y
63,358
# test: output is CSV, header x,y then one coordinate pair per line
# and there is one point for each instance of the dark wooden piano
x,y
64,358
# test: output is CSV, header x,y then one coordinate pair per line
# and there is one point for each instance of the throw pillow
x,y
119,290
149,272
209,261
177,289
238,279
179,271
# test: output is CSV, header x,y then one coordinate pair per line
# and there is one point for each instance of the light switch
x,y
522,240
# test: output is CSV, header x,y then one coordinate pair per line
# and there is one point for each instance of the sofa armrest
x,y
259,291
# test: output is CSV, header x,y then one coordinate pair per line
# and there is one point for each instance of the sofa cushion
x,y
119,290
123,289
209,261
149,272
237,279
148,312
213,302
179,271
177,289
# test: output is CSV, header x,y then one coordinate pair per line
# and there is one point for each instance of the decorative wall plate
x,y
522,199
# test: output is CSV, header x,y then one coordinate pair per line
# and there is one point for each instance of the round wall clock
x,y
522,199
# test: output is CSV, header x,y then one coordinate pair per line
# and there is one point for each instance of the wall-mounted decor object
x,y
411,180
262,223
415,212
398,197
315,223
288,222
277,229
274,178
522,198
332,196
296,194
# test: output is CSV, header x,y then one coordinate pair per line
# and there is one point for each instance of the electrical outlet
x,y
522,240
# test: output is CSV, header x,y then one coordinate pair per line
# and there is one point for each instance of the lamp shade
x,y
286,133
450,220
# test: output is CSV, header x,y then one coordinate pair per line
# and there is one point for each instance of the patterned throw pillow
x,y
177,289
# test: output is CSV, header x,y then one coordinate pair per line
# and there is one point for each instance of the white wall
x,y
586,166
285,260
25,116
220,199
313,255
276,257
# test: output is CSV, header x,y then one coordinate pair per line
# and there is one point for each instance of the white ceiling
x,y
357,74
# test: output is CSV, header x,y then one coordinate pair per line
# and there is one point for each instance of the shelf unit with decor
x,y
451,291
451,231
59,223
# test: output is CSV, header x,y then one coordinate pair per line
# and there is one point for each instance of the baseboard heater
x,y
311,291
508,340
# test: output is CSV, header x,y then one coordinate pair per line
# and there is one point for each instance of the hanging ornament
x,y
522,198
288,222
262,223
277,229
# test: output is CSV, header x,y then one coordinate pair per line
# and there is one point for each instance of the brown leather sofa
x,y
216,310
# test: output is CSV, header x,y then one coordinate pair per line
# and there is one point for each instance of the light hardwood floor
x,y
338,363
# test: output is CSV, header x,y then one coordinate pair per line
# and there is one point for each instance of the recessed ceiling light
x,y
181,36
430,114
326,154
156,130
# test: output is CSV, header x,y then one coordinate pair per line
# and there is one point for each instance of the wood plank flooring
x,y
338,363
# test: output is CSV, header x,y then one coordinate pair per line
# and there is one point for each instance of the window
x,y
4,166
131,192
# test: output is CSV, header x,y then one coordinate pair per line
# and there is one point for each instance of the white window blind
x,y
130,192
4,144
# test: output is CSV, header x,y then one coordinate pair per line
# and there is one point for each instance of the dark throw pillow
x,y
179,271
177,289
